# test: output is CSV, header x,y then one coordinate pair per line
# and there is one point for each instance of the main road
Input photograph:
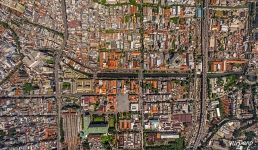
x,y
141,75
205,46
58,55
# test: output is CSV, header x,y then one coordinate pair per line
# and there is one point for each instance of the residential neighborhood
x,y
128,74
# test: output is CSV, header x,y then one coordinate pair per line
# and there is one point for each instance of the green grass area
x,y
124,115
93,130
111,122
86,122
97,130
178,144
50,61
110,31
127,18
98,119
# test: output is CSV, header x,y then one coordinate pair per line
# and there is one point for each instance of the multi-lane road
x,y
205,46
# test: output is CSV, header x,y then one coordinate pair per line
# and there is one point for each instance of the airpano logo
x,y
238,144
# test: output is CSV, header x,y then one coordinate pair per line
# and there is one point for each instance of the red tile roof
x,y
74,23
187,118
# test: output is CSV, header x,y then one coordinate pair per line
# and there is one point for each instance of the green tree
x,y
222,143
221,49
61,130
106,139
27,87
66,85
236,133
179,144
12,132
242,106
182,21
220,81
2,134
103,2
174,20
155,9
250,135
132,2
85,145
230,81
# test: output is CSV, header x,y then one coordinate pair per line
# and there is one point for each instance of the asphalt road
x,y
119,75
56,71
49,96
141,76
205,47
